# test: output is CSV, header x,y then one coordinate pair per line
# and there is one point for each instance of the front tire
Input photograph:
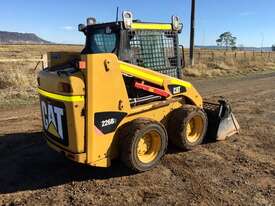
x,y
187,127
142,144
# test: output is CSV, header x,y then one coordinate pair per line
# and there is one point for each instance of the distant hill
x,y
20,38
265,49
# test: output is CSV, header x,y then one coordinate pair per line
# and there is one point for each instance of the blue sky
x,y
251,21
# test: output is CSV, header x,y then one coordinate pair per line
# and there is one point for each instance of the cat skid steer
x,y
124,97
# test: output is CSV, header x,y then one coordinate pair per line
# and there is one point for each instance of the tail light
x,y
82,64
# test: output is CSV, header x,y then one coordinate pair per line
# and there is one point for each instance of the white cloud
x,y
68,28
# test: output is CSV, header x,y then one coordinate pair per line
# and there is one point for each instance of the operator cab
x,y
150,45
101,38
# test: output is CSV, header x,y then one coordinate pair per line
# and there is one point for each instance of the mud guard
x,y
221,121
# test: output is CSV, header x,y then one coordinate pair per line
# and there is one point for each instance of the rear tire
x,y
142,144
187,127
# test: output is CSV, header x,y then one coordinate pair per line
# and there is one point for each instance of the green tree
x,y
273,47
227,40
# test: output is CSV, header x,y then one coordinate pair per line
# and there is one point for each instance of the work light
x,y
91,21
127,17
81,27
177,25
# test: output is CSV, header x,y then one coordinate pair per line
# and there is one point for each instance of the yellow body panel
x,y
152,26
105,92
79,157
162,80
74,103
50,82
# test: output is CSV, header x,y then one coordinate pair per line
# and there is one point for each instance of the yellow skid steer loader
x,y
123,96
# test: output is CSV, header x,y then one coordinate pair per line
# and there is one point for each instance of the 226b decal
x,y
54,120
107,122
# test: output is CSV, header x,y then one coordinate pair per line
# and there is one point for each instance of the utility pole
x,y
262,42
192,33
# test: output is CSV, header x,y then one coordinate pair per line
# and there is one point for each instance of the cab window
x,y
101,41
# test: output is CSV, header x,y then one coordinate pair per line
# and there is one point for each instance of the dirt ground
x,y
239,171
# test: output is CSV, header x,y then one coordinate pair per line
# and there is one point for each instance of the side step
x,y
221,121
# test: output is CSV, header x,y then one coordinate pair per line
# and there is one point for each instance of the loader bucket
x,y
221,121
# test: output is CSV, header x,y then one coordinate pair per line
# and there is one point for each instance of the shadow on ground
x,y
28,164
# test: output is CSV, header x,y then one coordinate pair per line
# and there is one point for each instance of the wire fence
x,y
201,56
217,56
38,61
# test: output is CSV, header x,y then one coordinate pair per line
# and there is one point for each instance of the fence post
x,y
199,59
213,56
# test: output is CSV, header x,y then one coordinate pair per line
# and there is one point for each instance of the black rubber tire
x,y
128,138
177,124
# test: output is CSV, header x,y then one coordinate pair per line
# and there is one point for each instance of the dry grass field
x,y
18,79
213,63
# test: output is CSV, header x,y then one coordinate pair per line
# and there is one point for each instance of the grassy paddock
x,y
210,63
18,79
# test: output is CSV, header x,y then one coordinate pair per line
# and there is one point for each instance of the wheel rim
x,y
148,146
194,129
